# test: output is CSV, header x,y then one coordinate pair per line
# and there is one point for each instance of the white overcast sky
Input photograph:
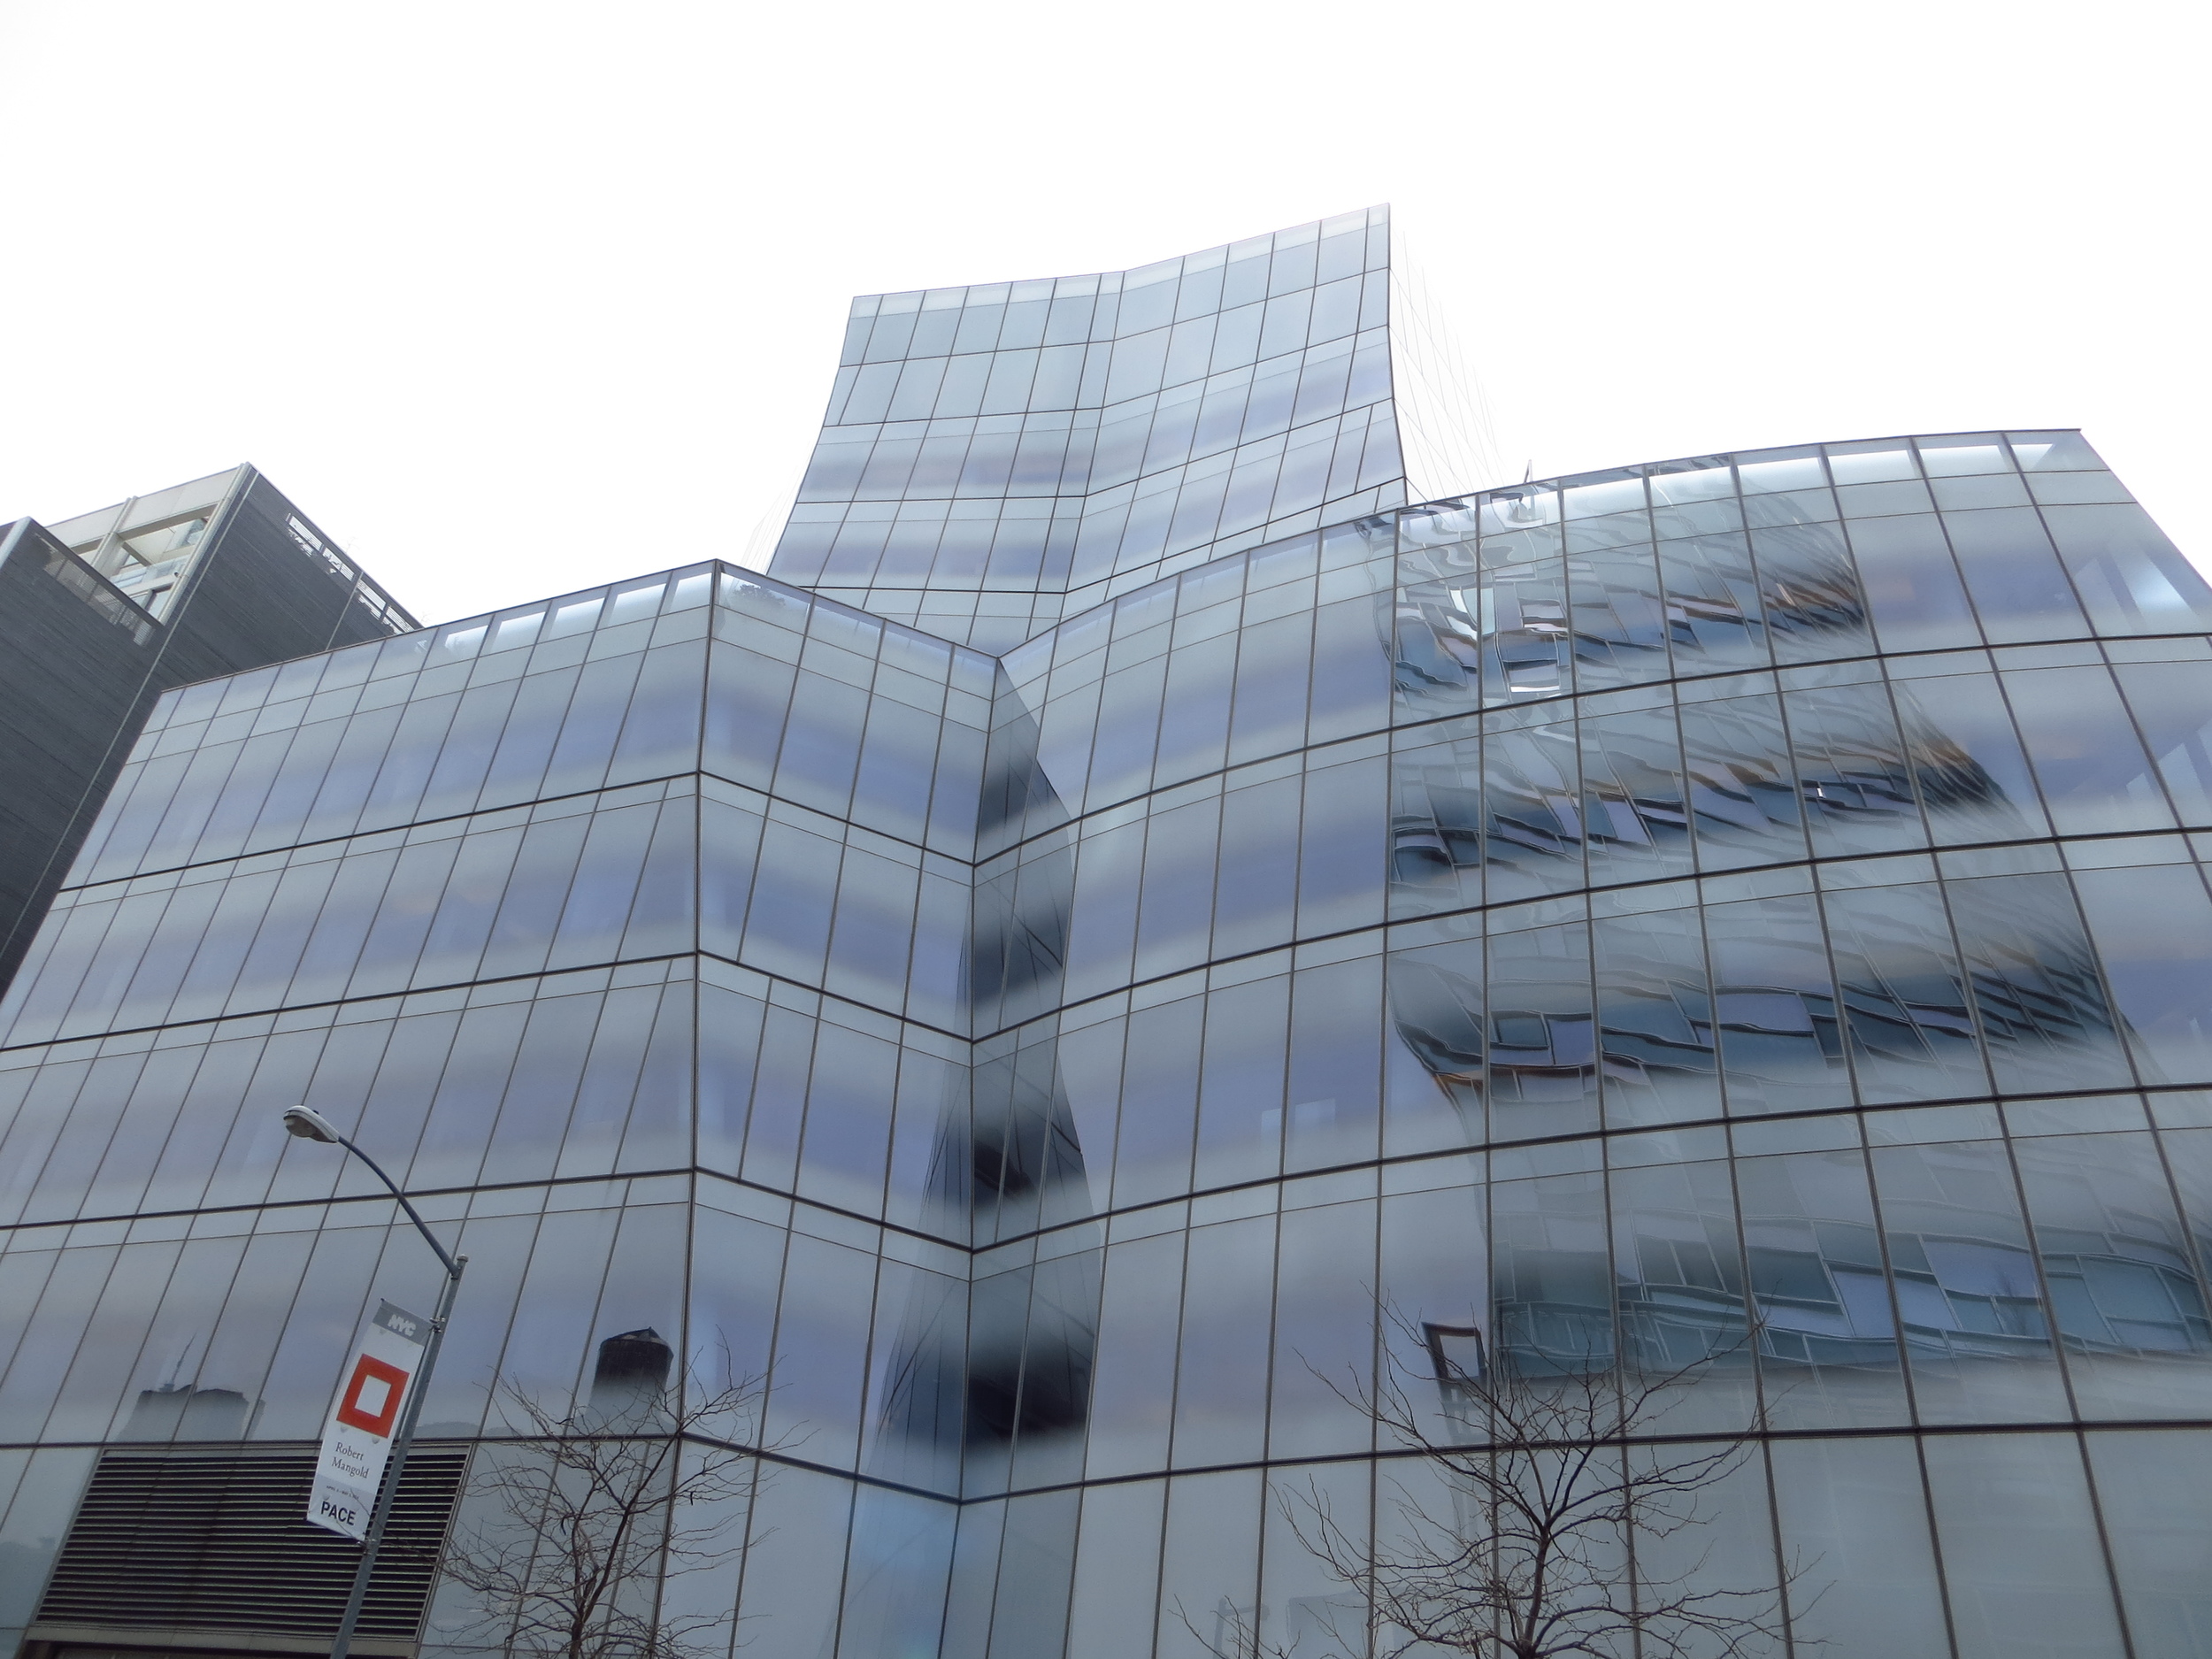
x,y
514,298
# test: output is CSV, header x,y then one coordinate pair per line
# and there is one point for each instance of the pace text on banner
x,y
371,1402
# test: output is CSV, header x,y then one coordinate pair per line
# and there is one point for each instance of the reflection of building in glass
x,y
1745,908
103,613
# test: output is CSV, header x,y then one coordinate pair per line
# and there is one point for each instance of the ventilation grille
x,y
222,1542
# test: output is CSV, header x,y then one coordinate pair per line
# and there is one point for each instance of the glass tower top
x,y
998,456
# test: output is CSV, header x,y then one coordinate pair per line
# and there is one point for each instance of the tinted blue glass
x,y
2094,774
1657,1046
1180,407
2153,931
1044,1071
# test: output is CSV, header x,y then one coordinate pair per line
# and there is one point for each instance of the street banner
x,y
357,1440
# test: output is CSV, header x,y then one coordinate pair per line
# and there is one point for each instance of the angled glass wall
x,y
996,457
562,908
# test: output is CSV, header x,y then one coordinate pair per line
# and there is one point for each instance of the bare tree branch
x,y
1555,1501
585,1519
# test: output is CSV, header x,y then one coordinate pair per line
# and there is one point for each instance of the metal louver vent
x,y
219,1541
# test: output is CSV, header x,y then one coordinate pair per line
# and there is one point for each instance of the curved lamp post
x,y
309,1124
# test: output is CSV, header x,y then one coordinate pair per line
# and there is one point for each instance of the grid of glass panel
x,y
998,456
1750,908
1797,917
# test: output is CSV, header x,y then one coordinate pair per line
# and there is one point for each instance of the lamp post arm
x,y
413,1215
312,1125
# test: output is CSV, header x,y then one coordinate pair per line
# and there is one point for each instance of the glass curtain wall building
x,y
1748,907
101,613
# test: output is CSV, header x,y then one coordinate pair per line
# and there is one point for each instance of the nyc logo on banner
x,y
357,1440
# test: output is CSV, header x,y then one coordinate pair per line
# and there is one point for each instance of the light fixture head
x,y
309,1124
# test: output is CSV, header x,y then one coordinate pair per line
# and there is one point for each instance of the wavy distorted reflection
x,y
1934,1263
1916,986
1548,800
1007,1388
1545,609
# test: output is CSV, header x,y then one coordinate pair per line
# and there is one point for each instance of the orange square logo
x,y
371,1398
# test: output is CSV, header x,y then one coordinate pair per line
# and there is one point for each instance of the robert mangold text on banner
x,y
371,1400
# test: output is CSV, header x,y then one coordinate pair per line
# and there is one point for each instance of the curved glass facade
x,y
1747,909
1739,908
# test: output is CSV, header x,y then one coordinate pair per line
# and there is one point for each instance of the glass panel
x,y
1240,1091
1679,1279
2019,586
791,1583
2153,928
1552,1276
1744,803
1529,834
1828,1336
1905,1000
1852,770
1221,1376
1158,1103
2129,1308
1180,850
1655,1019
1871,463
1324,1330
1619,621
1853,1516
1775,1005
1257,881
1102,922
1336,1029
1967,1292
1542,1030
1342,848
1810,590
2094,776
1208,1565
2159,1531
1973,777
2053,451
1436,1006
1715,618
2171,710
1133,1384
1635,811
2037,992
2021,1551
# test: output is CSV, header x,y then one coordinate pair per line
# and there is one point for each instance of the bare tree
x,y
582,1522
1554,1504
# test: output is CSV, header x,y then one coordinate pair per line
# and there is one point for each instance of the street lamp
x,y
309,1124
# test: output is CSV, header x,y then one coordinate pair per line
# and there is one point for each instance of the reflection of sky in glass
x,y
1673,915
988,445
